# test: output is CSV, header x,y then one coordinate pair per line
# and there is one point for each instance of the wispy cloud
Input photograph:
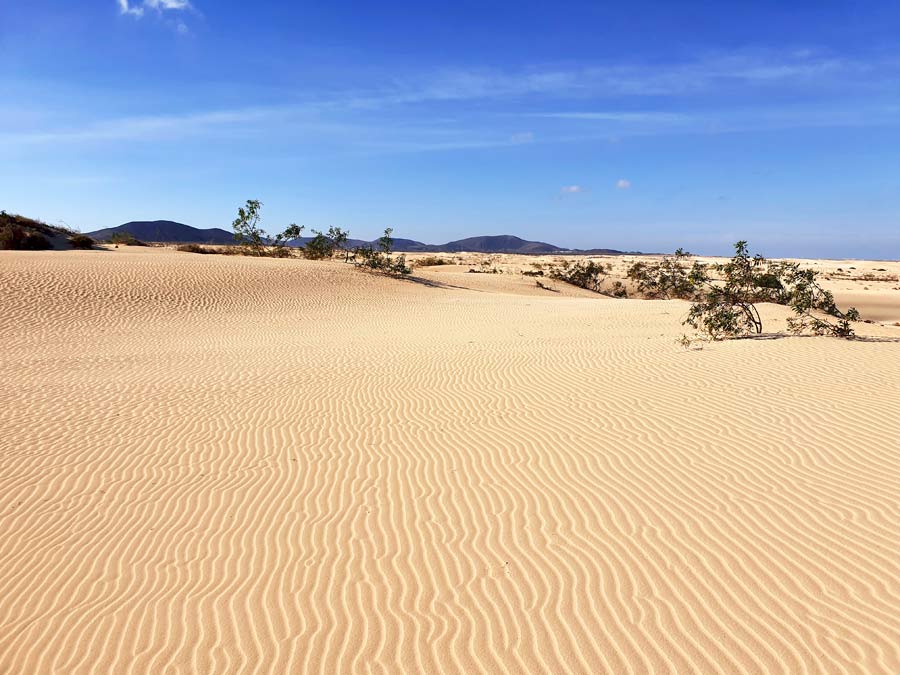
x,y
167,4
126,8
432,112
623,184
572,189
137,9
615,116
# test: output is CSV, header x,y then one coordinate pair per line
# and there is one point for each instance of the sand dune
x,y
223,464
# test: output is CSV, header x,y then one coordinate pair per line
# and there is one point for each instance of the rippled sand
x,y
222,464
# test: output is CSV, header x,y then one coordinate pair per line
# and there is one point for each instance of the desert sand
x,y
216,464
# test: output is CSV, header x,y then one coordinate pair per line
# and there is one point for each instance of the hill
x,y
503,243
166,231
27,234
173,232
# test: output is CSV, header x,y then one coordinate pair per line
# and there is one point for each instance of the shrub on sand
x,y
81,241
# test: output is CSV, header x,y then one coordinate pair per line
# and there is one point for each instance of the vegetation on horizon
x,y
253,240
126,239
381,259
590,275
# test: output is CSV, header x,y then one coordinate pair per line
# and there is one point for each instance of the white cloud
x,y
623,184
572,189
167,4
125,7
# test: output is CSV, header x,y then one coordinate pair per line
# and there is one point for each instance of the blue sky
x,y
641,125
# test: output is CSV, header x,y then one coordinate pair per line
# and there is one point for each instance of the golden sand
x,y
218,464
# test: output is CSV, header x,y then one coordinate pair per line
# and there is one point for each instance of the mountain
x,y
172,232
166,231
503,243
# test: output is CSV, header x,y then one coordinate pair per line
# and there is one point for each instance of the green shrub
x,y
431,261
380,259
670,278
726,306
126,239
196,248
589,275
253,240
81,241
319,248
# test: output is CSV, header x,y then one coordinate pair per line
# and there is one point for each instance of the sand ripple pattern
x,y
223,465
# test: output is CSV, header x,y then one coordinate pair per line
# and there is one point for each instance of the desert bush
x,y
725,295
380,259
126,239
324,245
16,238
319,248
726,306
669,278
432,261
807,297
589,275
618,290
339,239
533,273
197,248
81,241
253,240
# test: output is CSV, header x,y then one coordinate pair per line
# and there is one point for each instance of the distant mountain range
x,y
166,231
179,233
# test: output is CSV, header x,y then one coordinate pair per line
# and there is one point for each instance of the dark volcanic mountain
x,y
179,233
502,243
166,231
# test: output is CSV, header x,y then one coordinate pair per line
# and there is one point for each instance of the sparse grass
x,y
197,248
432,261
126,239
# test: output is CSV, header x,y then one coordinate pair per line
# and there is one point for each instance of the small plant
x,y
196,248
247,232
320,247
669,278
431,261
589,275
543,286
125,239
380,259
253,240
486,266
339,240
806,297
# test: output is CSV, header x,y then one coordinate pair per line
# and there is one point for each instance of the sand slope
x,y
221,464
